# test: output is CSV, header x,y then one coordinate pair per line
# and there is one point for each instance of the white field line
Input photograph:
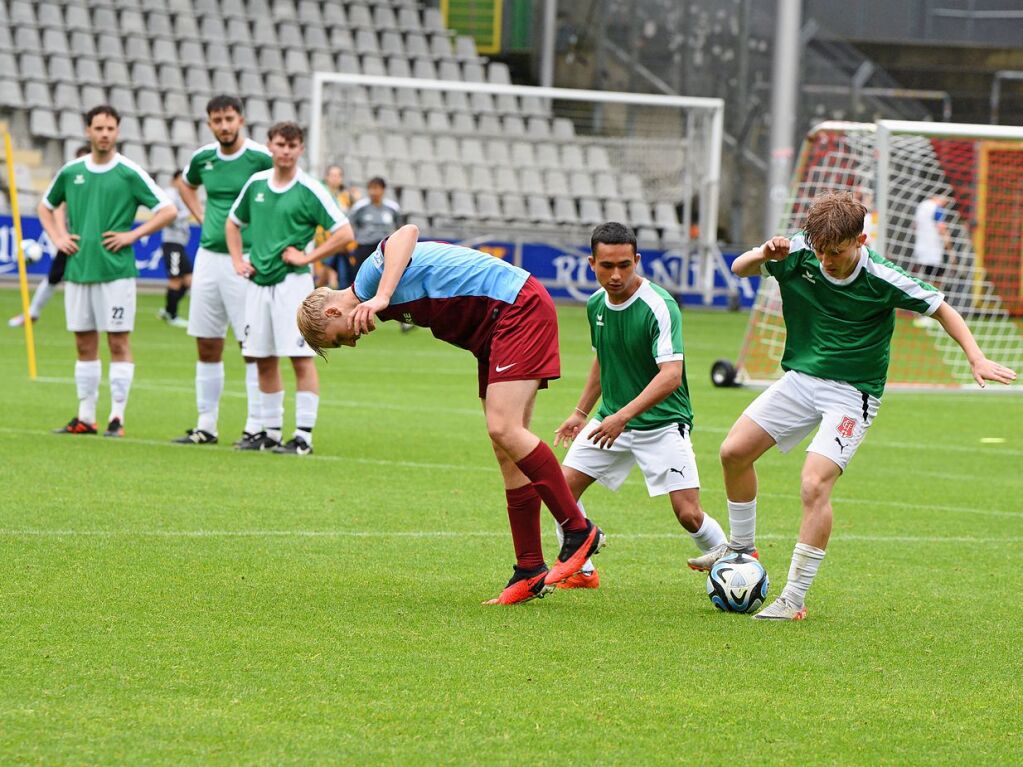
x,y
992,451
491,469
452,534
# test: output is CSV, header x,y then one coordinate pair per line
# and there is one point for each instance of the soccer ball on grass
x,y
737,583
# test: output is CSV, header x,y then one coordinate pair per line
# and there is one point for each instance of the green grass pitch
x,y
169,605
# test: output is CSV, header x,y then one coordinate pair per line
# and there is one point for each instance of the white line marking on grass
x,y
489,469
850,537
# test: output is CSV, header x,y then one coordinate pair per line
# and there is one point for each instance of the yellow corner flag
x,y
30,344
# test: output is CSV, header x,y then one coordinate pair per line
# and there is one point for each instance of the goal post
x,y
30,346
893,167
475,158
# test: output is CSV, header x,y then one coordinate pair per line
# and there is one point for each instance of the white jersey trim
x,y
907,285
326,199
162,199
263,174
53,181
657,305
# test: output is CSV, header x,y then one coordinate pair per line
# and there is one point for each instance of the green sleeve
x,y
55,194
146,191
192,171
240,208
326,214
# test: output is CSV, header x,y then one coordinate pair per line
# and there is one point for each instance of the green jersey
x,y
223,176
102,198
278,218
631,340
842,329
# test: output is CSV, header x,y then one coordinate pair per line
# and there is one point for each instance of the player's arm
x,y
397,255
749,263
56,229
667,380
190,196
233,235
162,216
335,243
982,368
569,430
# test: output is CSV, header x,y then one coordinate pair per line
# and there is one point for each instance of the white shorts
x,y
797,403
108,307
271,321
217,297
665,456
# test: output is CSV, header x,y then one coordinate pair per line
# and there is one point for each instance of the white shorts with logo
x,y
108,307
217,297
797,403
665,456
271,318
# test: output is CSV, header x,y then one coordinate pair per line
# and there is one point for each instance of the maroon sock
x,y
524,516
544,471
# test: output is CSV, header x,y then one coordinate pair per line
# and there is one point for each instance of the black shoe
x,y
74,426
245,437
294,446
115,428
260,442
196,437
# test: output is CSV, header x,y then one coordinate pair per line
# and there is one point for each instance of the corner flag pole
x,y
30,344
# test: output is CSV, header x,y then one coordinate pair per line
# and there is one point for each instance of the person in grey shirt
x,y
373,218
175,256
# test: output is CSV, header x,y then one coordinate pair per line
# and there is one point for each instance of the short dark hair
x,y
289,131
378,181
83,150
222,102
612,233
102,109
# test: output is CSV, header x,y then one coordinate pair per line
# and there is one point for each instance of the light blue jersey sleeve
x,y
440,270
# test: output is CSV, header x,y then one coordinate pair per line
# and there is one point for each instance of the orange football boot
x,y
74,426
577,548
581,580
523,586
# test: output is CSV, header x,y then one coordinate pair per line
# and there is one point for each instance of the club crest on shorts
x,y
846,427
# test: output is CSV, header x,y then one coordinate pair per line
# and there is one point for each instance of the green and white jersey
x,y
223,176
102,198
276,218
842,329
631,339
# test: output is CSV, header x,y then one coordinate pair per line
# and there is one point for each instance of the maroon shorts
x,y
524,345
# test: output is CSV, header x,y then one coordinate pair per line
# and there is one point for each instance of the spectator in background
x,y
336,271
46,288
932,243
373,218
175,256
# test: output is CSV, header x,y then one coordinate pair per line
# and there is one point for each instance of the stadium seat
x,y
412,120
590,213
396,146
270,60
615,210
158,25
60,69
522,155
457,101
424,69
257,111
123,99
37,95
403,174
429,176
565,212
10,94
41,123
463,124
183,132
373,65
56,40
384,18
665,215
409,21
224,81
420,148
481,179
631,187
416,45
530,180
538,128
77,18
534,107
582,184
283,9
197,80
490,125
116,73
104,18
348,63
289,35
472,152
639,214
154,130
69,125
605,185
411,201
507,104
555,183
178,104
277,86
91,95
432,100
131,23
22,13
438,122
514,126
465,48
463,206
137,48
82,45
368,145
314,38
148,102
28,39
264,32
359,17
448,70
488,207
440,47
309,14
169,77
162,160
506,180
185,27
437,203
646,238
295,62
597,159
433,21
398,66
497,153
334,15
563,129
498,73
514,208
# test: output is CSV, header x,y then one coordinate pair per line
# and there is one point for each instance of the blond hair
x,y
312,321
834,219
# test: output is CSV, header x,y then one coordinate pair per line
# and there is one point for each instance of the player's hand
x,y
364,316
569,430
115,241
986,370
243,268
294,256
776,248
67,244
607,431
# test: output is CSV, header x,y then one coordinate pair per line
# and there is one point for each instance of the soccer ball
x,y
33,250
737,583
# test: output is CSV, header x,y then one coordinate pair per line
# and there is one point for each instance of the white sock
x,y
209,384
710,535
805,561
87,377
273,413
121,375
254,417
44,292
588,564
306,405
742,522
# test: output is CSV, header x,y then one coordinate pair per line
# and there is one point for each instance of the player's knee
x,y
732,454
814,490
689,515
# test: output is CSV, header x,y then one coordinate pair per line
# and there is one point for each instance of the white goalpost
x,y
478,160
894,166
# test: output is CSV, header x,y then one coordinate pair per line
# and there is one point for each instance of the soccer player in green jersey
x,y
102,192
281,208
218,292
638,375
838,300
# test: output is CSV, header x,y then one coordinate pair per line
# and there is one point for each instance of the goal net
x,y
893,167
478,161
